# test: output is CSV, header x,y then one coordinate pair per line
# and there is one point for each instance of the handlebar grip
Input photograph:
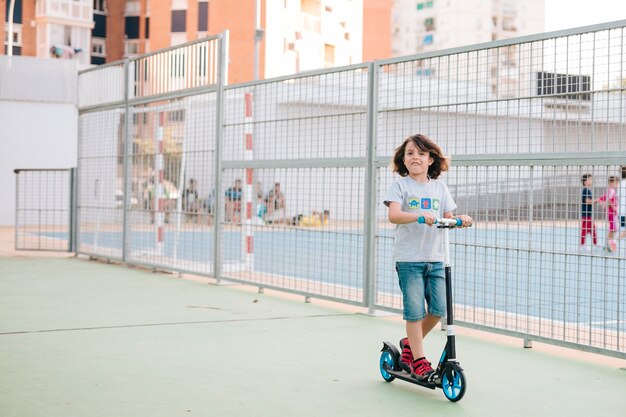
x,y
457,222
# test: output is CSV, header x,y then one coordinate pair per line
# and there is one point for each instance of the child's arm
x,y
397,216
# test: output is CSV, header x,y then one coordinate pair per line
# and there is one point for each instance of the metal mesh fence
x,y
42,208
523,122
279,183
293,183
146,157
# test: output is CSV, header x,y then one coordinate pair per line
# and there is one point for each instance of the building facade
x,y
427,25
294,35
49,28
420,26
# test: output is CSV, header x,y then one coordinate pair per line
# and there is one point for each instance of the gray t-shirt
x,y
414,242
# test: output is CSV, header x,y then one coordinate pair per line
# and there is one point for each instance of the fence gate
x,y
44,215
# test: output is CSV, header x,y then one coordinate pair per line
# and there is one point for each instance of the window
x,y
176,116
131,27
508,24
67,35
140,118
179,20
425,5
99,6
17,11
131,48
329,55
98,47
17,35
288,46
203,16
132,8
429,24
17,39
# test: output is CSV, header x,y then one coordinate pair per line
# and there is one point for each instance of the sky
x,y
565,14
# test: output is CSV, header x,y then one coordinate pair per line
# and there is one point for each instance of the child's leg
x,y
584,229
429,323
415,335
594,233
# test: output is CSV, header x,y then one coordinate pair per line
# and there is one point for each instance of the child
x,y
417,247
588,225
610,200
622,203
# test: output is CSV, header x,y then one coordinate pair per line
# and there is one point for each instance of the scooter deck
x,y
408,378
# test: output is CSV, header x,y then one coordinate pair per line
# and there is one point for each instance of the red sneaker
x,y
406,360
422,369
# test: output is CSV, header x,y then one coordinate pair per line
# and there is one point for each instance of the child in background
x,y
588,226
610,200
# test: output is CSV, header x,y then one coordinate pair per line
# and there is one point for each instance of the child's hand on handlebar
x,y
429,219
466,220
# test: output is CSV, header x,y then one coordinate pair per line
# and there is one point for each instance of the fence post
x,y
222,77
17,199
126,177
369,238
72,212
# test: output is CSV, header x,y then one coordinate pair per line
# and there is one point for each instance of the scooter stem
x,y
450,345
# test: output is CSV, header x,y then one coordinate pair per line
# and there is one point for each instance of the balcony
x,y
79,11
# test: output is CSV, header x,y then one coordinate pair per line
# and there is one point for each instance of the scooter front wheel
x,y
387,361
453,383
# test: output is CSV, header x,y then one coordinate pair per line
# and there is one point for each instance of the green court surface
x,y
82,338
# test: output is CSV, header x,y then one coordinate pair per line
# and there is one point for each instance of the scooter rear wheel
x,y
453,383
387,358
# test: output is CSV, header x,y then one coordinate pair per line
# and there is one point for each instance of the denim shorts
x,y
419,282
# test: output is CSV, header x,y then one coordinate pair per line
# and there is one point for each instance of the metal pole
x,y
258,37
222,69
369,238
127,148
17,206
10,28
72,216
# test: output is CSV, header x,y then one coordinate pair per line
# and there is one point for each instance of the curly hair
x,y
424,143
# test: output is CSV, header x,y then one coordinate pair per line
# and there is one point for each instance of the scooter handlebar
x,y
446,222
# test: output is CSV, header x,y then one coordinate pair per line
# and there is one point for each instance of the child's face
x,y
588,182
613,184
416,160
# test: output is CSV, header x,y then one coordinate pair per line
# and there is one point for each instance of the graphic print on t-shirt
x,y
413,203
426,204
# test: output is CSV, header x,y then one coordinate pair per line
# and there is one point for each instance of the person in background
x,y
275,202
588,226
609,199
233,202
621,194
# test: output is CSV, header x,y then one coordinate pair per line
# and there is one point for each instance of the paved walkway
x,y
82,338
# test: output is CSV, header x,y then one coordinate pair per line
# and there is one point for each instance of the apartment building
x,y
420,26
427,25
49,28
295,35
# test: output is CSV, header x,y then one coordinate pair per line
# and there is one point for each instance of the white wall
x,y
33,135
